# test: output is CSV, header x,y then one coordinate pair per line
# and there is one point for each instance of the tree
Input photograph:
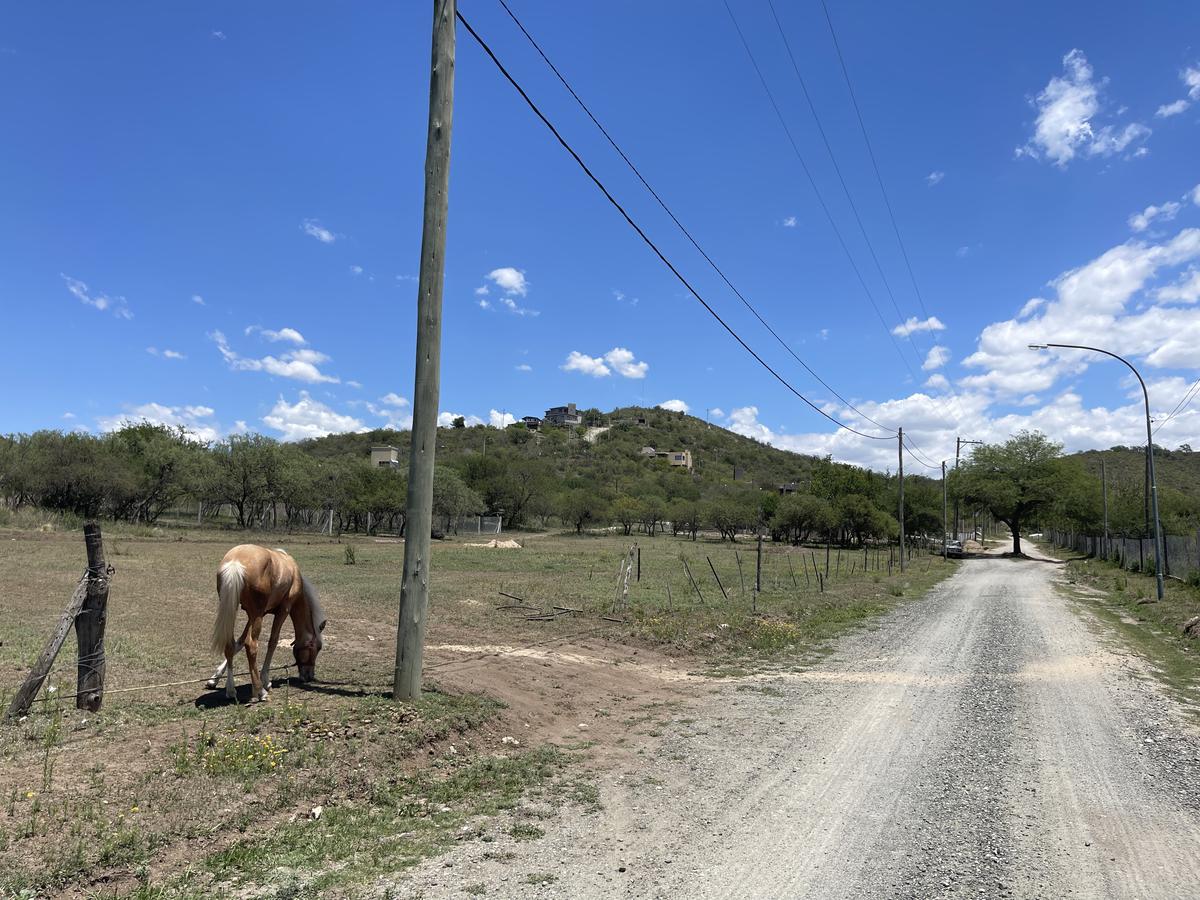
x,y
799,515
579,507
452,499
458,422
686,515
652,509
626,511
1015,481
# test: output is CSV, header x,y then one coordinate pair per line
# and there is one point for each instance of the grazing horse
x,y
263,581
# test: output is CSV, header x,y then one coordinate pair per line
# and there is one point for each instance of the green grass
x,y
1151,629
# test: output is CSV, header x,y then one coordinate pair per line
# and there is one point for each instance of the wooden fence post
x,y
89,625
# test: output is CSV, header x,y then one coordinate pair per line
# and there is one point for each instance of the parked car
x,y
954,548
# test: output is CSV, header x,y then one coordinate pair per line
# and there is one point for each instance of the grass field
x,y
170,791
1126,602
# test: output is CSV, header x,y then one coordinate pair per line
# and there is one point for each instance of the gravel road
x,y
981,742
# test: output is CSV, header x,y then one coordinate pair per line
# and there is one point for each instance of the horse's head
x,y
308,641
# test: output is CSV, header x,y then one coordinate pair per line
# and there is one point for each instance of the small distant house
x,y
790,488
563,415
533,423
676,457
649,451
385,457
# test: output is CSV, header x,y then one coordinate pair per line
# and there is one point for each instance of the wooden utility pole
x,y
945,508
414,590
900,445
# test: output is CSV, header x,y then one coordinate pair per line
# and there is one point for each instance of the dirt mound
x,y
498,545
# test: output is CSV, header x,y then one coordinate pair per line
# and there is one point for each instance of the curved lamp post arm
x,y
1158,554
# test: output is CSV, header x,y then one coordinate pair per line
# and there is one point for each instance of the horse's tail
x,y
230,580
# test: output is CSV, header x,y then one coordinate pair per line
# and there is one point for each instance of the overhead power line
x,y
1187,398
812,108
646,239
686,233
817,191
871,153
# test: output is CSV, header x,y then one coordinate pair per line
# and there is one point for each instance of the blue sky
x,y
210,214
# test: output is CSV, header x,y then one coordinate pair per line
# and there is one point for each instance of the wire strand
x,y
1180,406
667,209
817,191
646,239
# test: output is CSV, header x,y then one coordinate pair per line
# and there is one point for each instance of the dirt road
x,y
981,742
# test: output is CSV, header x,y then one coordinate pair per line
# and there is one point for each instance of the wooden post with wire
x,y
89,625
91,593
414,590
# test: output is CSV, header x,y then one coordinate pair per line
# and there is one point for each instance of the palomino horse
x,y
263,581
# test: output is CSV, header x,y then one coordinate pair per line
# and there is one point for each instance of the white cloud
x,y
913,325
789,222
1185,290
744,421
509,280
356,270
1191,79
617,359
1196,195
166,354
1066,109
1171,109
716,412
498,419
283,334
198,300
962,252
68,415
674,406
824,333
116,305
622,298
354,384
217,35
934,178
313,228
1030,307
482,291
485,304
446,420
513,307
588,365
196,419
308,418
524,367
394,400
302,365
1165,212
937,381
937,357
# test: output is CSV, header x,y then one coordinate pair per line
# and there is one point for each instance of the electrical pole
x,y
958,445
1104,494
945,553
414,590
900,445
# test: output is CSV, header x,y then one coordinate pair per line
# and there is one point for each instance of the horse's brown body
x,y
264,582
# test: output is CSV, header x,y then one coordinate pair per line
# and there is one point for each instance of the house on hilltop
x,y
533,423
563,415
385,457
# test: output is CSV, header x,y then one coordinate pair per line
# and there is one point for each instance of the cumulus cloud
x,y
1067,108
618,360
308,418
394,400
498,419
315,229
937,381
524,367
934,178
789,222
290,335
198,300
674,406
1186,289
716,412
115,305
196,420
1164,212
299,364
509,280
913,325
937,357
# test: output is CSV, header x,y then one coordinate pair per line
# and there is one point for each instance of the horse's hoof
x,y
230,694
211,684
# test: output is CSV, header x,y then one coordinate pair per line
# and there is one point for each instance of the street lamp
x,y
1158,569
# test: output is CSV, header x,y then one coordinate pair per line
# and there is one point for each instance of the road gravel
x,y
983,741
